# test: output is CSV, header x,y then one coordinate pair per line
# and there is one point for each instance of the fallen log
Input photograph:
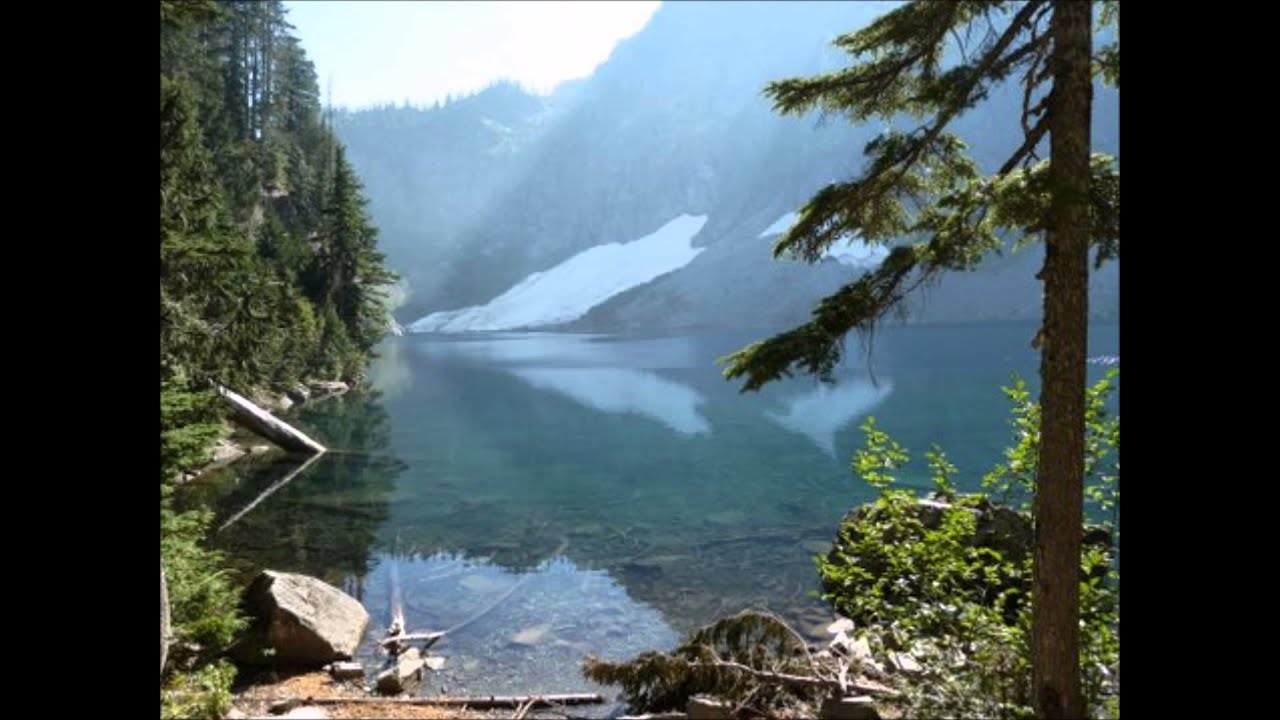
x,y
478,703
268,425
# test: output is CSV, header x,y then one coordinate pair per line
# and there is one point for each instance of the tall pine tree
x,y
923,185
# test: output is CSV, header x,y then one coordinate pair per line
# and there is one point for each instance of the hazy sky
x,y
377,52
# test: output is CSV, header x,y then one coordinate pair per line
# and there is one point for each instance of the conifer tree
x,y
923,186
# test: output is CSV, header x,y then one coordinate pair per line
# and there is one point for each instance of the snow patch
x,y
852,252
781,225
567,291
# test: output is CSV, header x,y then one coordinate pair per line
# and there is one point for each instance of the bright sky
x,y
379,52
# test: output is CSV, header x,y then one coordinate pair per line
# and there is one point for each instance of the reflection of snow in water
x,y
532,641
620,390
824,410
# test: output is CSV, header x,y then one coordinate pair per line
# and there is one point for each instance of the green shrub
x,y
203,693
949,580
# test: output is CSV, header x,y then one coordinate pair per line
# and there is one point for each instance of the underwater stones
x,y
531,635
481,583
727,517
816,547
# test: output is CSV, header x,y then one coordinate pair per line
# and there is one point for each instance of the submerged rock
x,y
531,635
300,621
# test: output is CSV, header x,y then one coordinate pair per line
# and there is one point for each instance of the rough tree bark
x,y
1059,500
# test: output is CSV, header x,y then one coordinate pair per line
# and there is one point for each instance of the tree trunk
x,y
164,618
1059,500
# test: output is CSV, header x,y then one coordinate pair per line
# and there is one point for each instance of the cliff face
x,y
476,196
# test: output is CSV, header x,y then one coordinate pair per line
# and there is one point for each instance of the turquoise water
x,y
604,494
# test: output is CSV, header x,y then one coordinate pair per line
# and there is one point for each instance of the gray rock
x,y
404,676
298,393
848,708
1006,530
321,388
904,662
303,621
226,451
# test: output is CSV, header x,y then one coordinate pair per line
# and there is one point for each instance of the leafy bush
x,y
948,578
204,693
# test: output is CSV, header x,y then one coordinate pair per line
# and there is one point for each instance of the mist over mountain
x,y
475,196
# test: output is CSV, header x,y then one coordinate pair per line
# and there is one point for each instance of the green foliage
x,y
205,693
203,601
951,582
262,221
189,424
881,454
269,273
1014,479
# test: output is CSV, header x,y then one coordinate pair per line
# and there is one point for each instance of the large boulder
x,y
300,621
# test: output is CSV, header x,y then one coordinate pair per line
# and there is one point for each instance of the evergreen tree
x,y
269,273
922,185
348,272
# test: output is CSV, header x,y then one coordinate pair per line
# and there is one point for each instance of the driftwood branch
x,y
406,637
778,678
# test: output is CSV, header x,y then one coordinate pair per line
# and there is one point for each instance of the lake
x,y
559,495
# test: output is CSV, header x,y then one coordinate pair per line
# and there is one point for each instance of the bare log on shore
x,y
268,425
